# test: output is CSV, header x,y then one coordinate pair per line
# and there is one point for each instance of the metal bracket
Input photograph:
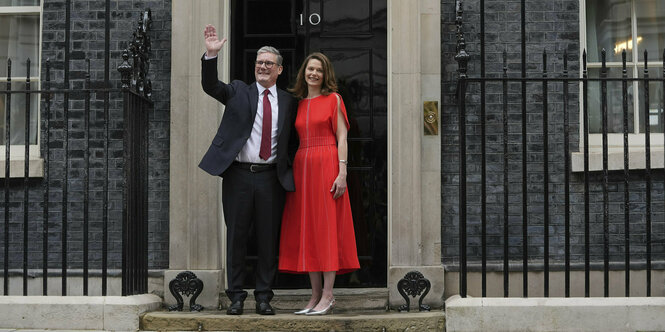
x,y
413,284
186,283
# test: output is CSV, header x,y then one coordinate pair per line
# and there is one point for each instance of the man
x,y
251,153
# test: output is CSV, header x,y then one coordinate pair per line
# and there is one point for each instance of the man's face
x,y
266,69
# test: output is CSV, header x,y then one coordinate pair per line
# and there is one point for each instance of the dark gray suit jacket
x,y
236,126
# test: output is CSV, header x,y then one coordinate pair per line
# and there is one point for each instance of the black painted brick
x,y
87,42
552,26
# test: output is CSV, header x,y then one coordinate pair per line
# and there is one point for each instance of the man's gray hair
x,y
270,49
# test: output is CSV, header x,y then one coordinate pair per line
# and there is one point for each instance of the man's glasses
x,y
268,64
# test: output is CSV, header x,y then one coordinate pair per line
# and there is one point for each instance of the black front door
x,y
352,33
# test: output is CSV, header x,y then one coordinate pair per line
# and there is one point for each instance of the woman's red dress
x,y
317,230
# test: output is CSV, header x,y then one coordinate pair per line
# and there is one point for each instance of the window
x,y
634,26
19,40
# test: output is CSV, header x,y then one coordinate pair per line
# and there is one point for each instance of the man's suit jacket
x,y
241,101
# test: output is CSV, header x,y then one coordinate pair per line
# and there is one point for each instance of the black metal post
x,y
506,202
483,157
566,161
46,139
626,172
125,71
546,189
86,179
525,199
7,174
647,169
462,59
585,112
462,185
65,148
145,121
606,206
107,84
26,179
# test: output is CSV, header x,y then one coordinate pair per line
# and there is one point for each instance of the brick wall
x,y
551,26
87,41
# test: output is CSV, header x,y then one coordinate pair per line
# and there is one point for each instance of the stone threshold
x,y
347,320
294,299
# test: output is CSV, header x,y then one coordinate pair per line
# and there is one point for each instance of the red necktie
x,y
267,127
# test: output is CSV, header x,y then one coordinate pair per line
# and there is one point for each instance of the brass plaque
x,y
431,118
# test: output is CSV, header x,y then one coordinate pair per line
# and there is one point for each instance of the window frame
x,y
636,139
17,151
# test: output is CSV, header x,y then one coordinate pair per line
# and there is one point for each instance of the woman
x,y
317,228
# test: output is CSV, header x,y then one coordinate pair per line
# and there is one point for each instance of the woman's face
x,y
314,73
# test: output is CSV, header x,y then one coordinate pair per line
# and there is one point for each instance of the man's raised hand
x,y
213,44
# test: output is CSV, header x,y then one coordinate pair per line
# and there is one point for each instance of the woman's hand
x,y
339,186
213,44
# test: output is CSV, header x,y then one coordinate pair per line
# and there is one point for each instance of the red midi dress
x,y
317,230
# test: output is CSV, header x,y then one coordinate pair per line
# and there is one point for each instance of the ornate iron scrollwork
x,y
462,57
413,284
134,75
188,284
125,70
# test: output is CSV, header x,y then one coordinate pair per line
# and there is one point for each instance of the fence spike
x,y
584,68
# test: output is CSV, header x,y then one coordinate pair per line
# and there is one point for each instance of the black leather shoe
x,y
235,308
264,308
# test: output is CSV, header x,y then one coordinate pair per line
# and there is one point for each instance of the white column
x,y
195,216
414,160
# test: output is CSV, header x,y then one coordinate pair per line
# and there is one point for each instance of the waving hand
x,y
213,44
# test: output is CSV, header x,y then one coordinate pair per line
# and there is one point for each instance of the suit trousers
x,y
251,200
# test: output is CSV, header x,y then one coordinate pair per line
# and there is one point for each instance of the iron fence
x,y
86,154
549,146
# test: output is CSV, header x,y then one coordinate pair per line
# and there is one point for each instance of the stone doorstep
x,y
294,299
375,320
357,309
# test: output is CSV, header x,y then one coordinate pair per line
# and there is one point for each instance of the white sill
x,y
636,159
17,167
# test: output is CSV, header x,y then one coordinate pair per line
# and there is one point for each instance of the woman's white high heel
x,y
306,310
303,312
325,311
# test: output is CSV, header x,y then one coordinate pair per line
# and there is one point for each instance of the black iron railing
x,y
81,156
137,91
549,146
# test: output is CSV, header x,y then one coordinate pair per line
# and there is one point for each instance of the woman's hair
x,y
328,85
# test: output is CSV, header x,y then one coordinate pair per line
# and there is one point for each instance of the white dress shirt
x,y
250,151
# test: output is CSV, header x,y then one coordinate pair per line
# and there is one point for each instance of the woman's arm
x,y
339,186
